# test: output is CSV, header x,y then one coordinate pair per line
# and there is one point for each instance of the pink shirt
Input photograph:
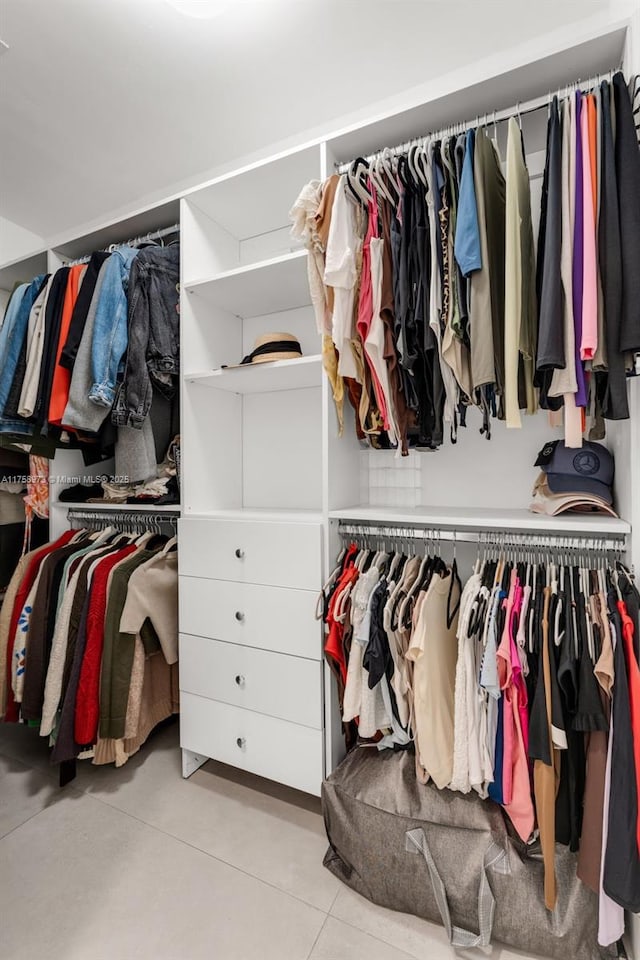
x,y
519,805
589,340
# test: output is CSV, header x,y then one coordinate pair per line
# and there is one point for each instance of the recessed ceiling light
x,y
202,9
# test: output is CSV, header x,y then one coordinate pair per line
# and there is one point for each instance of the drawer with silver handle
x,y
271,683
285,752
272,618
252,551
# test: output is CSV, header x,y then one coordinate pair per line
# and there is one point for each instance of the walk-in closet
x,y
320,481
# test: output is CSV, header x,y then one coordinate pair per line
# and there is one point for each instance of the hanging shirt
x,y
551,346
589,341
519,311
517,801
627,158
341,274
615,404
433,650
62,376
467,239
35,347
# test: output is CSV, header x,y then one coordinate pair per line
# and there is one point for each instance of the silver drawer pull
x,y
241,742
239,615
239,553
240,680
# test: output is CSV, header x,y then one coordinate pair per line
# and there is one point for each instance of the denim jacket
x,y
154,331
110,327
13,333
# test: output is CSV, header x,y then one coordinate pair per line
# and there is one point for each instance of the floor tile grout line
x,y
368,933
333,902
314,944
24,822
212,856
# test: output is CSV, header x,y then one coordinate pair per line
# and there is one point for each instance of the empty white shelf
x,y
260,288
22,271
486,519
255,199
264,377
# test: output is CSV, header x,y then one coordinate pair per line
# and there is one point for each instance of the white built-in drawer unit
x,y
286,752
269,683
272,618
271,553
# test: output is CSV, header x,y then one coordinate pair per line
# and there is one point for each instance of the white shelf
x,y
256,513
131,507
22,271
485,519
264,377
259,288
256,199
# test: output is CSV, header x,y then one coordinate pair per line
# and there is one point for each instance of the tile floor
x,y
139,864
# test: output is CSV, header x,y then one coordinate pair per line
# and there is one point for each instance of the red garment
x,y
334,646
12,711
87,712
633,680
62,376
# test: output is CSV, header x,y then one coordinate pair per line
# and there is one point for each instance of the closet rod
x,y
497,116
134,242
120,518
609,544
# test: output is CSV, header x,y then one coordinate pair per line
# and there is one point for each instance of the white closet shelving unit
x,y
253,528
266,478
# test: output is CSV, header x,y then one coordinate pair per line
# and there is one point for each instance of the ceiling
x,y
107,104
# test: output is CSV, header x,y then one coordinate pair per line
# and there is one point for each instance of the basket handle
x,y
495,858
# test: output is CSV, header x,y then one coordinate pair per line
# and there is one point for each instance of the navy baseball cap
x,y
585,469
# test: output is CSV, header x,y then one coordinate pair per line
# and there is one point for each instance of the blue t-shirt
x,y
467,239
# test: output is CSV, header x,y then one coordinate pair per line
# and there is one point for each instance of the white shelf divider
x,y
257,289
263,377
483,519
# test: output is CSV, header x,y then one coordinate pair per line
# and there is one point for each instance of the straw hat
x,y
269,347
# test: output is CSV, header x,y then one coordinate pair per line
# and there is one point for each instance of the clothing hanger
x,y
421,162
356,179
403,171
170,544
411,164
377,182
387,176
